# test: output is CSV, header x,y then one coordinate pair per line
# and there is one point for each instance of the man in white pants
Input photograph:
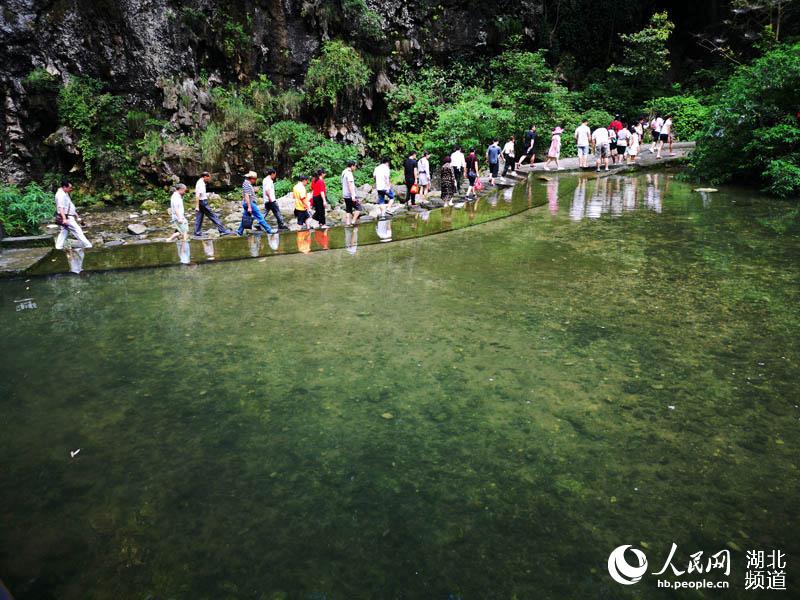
x,y
69,217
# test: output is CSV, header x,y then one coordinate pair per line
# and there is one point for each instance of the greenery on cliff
x,y
741,108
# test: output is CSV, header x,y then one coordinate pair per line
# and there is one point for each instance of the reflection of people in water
x,y
615,197
472,209
351,239
184,251
208,248
652,196
508,194
304,241
321,238
552,196
254,245
274,241
578,207
598,198
384,230
75,257
629,193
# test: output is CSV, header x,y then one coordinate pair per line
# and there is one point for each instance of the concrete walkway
x,y
645,159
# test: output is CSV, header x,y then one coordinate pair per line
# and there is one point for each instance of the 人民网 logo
x,y
621,570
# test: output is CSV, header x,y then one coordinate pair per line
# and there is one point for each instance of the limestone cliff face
x,y
136,45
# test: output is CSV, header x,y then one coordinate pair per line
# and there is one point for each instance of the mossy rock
x,y
149,205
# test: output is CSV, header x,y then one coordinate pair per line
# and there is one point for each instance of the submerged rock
x,y
137,229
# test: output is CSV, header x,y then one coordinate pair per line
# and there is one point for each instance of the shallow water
x,y
481,414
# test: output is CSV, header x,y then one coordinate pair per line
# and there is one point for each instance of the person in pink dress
x,y
555,149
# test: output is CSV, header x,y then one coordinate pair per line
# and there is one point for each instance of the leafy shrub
x,y
211,144
753,132
98,119
235,40
39,81
22,210
472,120
287,141
689,116
339,71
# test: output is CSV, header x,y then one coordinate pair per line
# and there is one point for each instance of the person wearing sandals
x,y
555,149
424,173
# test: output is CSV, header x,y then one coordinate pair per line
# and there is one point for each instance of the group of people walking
x,y
614,143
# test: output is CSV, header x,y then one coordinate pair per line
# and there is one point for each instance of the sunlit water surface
x,y
481,414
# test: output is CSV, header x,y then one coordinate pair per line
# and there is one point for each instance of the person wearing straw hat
x,y
555,149
250,210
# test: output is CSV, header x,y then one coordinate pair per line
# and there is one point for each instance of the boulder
x,y
137,229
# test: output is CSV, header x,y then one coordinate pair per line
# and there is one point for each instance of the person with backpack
x,y
424,174
655,131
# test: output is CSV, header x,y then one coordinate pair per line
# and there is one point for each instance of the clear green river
x,y
485,413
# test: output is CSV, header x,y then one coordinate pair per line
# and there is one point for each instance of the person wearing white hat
x,y
554,152
250,210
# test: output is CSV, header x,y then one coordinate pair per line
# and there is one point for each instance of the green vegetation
x,y
338,72
754,130
39,81
23,209
645,63
98,120
688,113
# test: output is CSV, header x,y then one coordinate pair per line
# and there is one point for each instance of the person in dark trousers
x,y
411,173
250,211
319,197
459,164
530,147
270,201
203,210
493,158
508,156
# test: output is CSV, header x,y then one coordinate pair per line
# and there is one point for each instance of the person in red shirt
x,y
616,124
319,197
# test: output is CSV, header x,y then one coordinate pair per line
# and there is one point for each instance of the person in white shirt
x,y
202,208
508,156
623,135
665,136
459,164
655,129
582,140
352,207
176,212
270,201
601,145
68,217
383,184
